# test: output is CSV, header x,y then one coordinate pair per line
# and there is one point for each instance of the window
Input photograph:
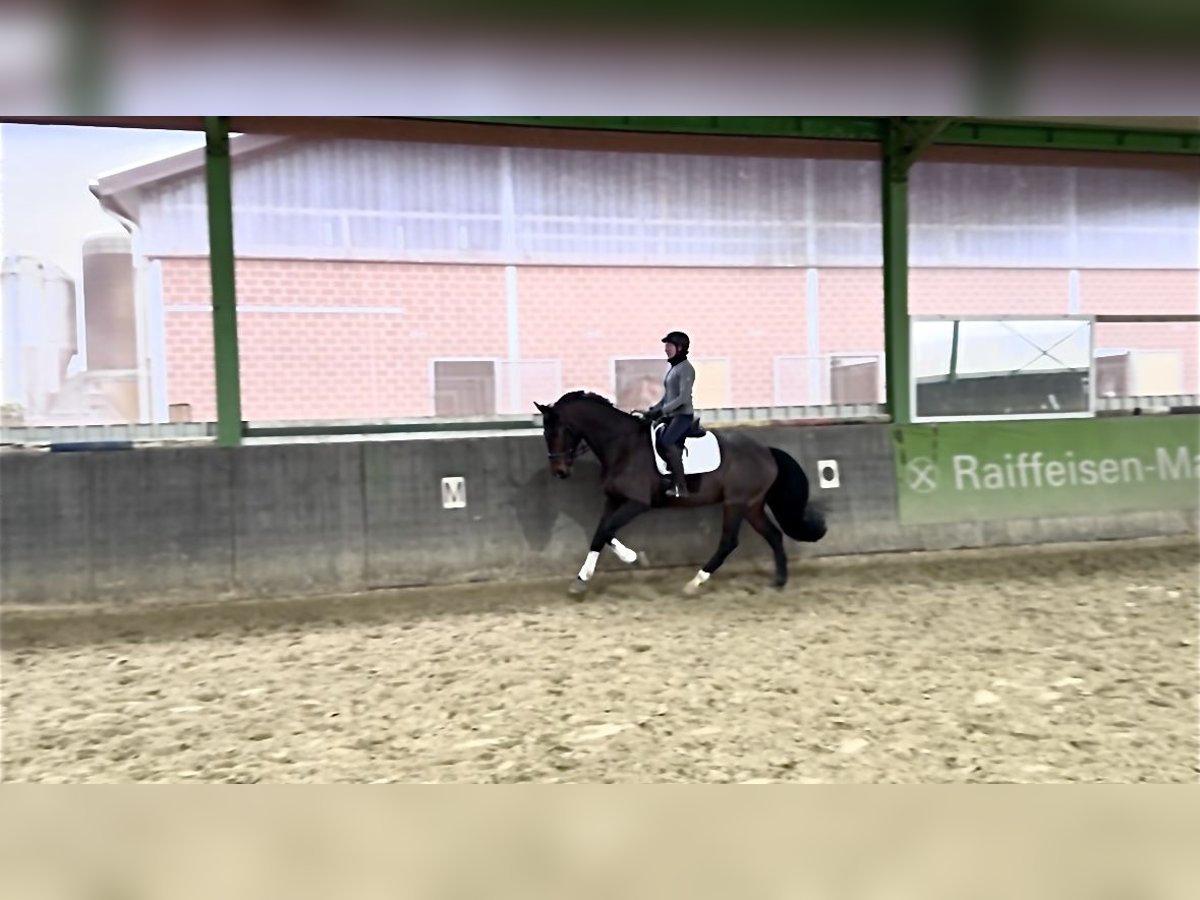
x,y
1001,367
841,378
1112,373
489,387
854,379
463,388
799,381
638,383
712,383
1156,372
1138,373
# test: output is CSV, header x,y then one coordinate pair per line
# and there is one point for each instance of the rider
x,y
676,408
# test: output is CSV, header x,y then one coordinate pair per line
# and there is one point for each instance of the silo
x,y
109,306
39,331
14,331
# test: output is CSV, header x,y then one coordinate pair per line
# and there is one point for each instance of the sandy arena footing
x,y
1047,664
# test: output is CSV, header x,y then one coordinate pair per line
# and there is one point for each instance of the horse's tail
x,y
788,501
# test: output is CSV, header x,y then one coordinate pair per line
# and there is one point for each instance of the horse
x,y
747,479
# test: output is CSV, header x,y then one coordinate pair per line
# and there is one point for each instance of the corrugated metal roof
x,y
122,190
379,200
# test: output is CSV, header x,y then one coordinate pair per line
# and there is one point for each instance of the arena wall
x,y
204,523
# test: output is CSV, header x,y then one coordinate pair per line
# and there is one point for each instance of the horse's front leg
x,y
626,554
618,512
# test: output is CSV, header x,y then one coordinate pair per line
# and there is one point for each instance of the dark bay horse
x,y
750,479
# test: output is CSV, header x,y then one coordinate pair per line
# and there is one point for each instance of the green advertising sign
x,y
972,471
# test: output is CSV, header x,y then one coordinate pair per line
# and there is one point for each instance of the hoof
x,y
780,582
578,586
693,586
641,562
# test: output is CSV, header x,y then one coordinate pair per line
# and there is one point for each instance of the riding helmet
x,y
679,339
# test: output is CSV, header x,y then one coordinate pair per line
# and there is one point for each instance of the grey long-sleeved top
x,y
677,393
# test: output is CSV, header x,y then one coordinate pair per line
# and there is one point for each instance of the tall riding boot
x,y
673,454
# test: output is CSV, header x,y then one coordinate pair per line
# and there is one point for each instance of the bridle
x,y
580,449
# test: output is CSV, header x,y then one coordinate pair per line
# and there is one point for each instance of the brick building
x,y
380,279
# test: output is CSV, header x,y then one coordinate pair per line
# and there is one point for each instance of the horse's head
x,y
563,443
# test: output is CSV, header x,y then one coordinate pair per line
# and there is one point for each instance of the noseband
x,y
580,449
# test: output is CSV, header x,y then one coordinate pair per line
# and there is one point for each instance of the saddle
x,y
701,452
696,431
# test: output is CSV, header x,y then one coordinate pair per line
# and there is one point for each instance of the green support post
x,y
895,277
86,62
903,141
224,293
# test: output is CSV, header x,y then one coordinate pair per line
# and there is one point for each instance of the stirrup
x,y
677,491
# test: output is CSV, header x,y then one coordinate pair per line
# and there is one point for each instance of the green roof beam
x,y
961,131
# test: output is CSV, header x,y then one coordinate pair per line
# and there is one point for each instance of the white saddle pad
x,y
700,455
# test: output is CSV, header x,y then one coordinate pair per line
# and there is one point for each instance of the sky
x,y
46,209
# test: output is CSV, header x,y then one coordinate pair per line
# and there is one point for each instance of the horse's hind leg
x,y
757,517
731,524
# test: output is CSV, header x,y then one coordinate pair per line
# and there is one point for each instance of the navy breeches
x,y
677,430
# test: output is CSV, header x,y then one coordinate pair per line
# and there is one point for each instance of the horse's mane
x,y
584,395
590,397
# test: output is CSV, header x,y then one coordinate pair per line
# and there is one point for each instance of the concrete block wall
x,y
206,523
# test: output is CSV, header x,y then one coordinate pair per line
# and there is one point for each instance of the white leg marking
x,y
623,553
700,578
589,566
